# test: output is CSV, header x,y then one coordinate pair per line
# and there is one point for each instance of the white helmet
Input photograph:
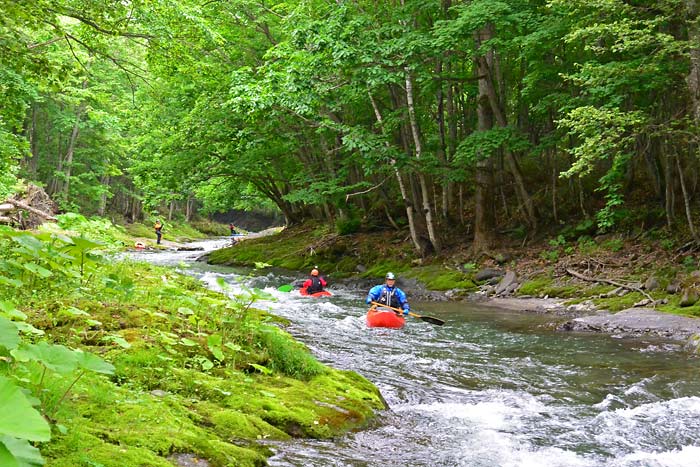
x,y
390,275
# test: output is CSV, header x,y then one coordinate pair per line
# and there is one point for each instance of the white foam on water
x,y
688,456
656,425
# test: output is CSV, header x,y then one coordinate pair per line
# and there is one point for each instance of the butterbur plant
x,y
25,368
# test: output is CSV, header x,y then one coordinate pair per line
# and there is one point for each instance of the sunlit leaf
x,y
11,282
9,310
58,358
9,334
7,459
71,310
29,329
24,453
262,369
214,343
17,417
91,362
38,270
120,341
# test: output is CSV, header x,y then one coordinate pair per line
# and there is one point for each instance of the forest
x,y
478,117
443,130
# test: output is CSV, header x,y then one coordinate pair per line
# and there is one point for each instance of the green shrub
x,y
347,226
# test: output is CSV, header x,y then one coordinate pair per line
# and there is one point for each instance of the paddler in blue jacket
x,y
389,294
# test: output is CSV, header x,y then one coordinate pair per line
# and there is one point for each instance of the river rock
x,y
689,297
652,283
693,344
188,460
507,284
635,322
673,287
487,273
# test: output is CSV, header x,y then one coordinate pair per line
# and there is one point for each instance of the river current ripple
x,y
496,389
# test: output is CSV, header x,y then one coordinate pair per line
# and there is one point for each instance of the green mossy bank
x,y
184,369
541,269
342,256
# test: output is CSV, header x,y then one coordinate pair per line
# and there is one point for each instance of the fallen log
x,y
6,207
25,206
5,220
608,281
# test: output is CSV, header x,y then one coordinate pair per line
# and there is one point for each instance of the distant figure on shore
x,y
158,227
232,228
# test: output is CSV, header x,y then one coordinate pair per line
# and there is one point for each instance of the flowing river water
x,y
489,388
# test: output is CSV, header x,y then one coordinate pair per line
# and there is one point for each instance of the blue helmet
x,y
390,275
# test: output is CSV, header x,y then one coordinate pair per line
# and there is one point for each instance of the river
x,y
489,388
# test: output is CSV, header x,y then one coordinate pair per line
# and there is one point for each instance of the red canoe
x,y
384,318
322,293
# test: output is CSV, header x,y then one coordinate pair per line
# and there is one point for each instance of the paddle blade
x,y
285,288
431,320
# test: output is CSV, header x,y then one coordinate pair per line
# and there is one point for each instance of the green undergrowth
x,y
341,256
174,231
437,277
130,363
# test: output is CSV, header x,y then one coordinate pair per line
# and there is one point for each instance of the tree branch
x,y
607,281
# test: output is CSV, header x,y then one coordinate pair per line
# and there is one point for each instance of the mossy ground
x,y
195,372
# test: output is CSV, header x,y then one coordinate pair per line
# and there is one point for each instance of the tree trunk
x,y
686,200
33,159
693,78
442,147
425,193
104,181
484,213
402,187
499,113
72,142
189,207
71,150
668,172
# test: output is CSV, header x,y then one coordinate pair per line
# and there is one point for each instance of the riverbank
x,y
130,364
596,278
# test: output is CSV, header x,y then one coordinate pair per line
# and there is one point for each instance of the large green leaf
x,y
17,417
24,453
9,334
91,362
30,242
38,270
58,358
9,310
11,282
7,459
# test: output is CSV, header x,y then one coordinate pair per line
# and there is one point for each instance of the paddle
x,y
427,319
289,287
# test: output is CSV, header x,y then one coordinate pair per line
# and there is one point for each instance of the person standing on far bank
x,y
158,227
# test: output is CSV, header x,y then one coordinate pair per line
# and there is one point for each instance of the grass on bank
x,y
152,363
